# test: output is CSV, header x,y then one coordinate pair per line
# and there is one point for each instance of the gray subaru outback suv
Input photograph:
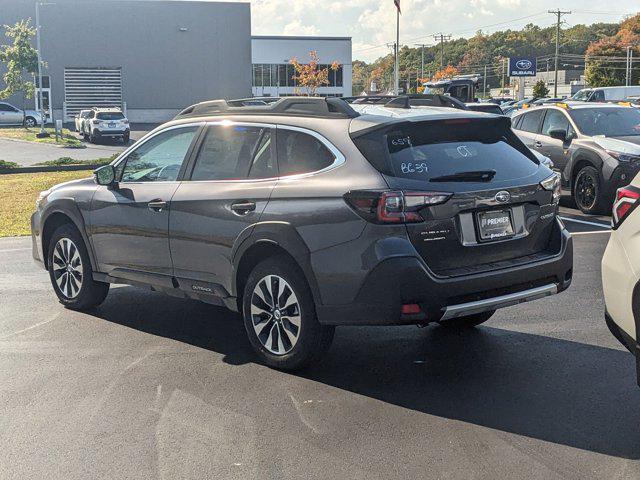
x,y
304,214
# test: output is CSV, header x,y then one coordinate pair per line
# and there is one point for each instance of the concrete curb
x,y
48,168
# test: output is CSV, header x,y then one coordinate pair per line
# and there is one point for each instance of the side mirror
x,y
558,134
105,175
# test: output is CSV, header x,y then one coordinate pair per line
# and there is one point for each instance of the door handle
x,y
157,205
537,144
242,208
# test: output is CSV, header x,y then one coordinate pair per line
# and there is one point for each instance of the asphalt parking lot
x,y
148,386
29,153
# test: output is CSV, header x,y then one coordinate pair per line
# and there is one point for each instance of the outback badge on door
x,y
502,196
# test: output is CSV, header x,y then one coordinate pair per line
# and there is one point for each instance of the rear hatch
x,y
482,198
111,120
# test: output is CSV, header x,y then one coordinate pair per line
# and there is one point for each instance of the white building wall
x,y
280,50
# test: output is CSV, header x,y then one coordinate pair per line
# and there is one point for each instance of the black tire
x,y
125,139
468,321
588,192
89,293
30,122
312,340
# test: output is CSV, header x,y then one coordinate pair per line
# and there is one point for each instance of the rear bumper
x,y
110,133
407,280
626,340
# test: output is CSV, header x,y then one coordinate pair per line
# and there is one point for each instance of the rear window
x,y
432,152
109,116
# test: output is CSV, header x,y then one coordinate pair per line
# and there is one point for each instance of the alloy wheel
x,y
67,267
30,123
275,314
586,190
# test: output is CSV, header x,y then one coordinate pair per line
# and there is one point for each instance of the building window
x,y
281,75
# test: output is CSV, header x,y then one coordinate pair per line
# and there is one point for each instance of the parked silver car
x,y
10,115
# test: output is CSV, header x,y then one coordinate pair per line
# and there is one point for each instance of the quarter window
x,y
554,120
231,152
531,121
159,159
301,153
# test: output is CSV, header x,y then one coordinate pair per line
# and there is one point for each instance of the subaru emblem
x,y
502,196
524,64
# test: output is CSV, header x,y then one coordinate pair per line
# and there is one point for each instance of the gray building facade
x,y
153,57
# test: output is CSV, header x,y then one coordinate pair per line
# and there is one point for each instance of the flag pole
x,y
397,65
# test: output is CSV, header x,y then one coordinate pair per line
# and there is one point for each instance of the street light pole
x,y
421,45
43,133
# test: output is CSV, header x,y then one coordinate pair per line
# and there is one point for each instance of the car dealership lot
x,y
149,386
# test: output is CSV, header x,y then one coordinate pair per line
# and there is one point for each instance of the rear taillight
x,y
393,206
626,201
552,184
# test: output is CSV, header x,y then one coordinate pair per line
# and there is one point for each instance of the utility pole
x,y
558,14
440,37
627,81
484,88
397,65
421,45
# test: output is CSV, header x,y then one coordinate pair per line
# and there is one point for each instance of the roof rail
x,y
330,107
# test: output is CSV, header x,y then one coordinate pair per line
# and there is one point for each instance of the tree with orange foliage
x,y
447,72
309,77
599,72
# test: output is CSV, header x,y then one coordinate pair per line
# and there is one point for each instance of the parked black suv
x,y
596,147
304,214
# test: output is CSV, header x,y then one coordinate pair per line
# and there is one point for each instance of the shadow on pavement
x,y
559,391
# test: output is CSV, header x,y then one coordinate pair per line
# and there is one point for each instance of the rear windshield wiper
x,y
473,176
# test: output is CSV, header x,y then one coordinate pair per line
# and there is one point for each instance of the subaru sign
x,y
522,67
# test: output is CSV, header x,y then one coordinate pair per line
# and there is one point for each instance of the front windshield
x,y
609,122
582,95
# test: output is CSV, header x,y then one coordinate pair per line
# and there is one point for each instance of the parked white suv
x,y
621,270
109,123
10,115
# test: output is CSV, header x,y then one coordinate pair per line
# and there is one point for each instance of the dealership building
x,y
155,57
274,76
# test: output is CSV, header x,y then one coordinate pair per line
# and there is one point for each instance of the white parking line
x,y
595,224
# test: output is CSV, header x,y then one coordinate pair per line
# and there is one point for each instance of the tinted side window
x,y
531,121
554,120
598,96
301,153
5,108
517,121
160,158
228,151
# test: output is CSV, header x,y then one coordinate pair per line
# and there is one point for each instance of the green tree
x,y
540,89
21,60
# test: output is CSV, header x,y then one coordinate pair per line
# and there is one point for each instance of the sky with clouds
x,y
371,23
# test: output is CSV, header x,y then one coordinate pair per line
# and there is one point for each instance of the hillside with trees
x,y
470,55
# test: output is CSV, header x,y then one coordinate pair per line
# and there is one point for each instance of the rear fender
x,y
285,236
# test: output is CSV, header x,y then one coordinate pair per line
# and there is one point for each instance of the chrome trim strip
x,y
502,301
